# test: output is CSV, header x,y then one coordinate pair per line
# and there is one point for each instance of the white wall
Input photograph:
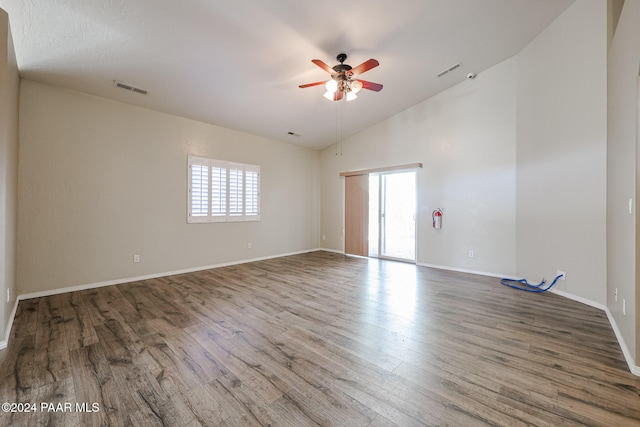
x,y
9,84
465,138
624,64
100,181
561,153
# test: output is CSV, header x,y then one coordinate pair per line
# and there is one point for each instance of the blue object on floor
x,y
528,287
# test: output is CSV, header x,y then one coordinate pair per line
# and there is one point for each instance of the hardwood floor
x,y
315,339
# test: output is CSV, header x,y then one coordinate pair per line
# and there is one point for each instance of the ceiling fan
x,y
342,82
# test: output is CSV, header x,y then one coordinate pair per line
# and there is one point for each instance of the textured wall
x,y
465,138
623,98
561,155
101,181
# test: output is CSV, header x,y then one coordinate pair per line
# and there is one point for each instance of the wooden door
x,y
356,215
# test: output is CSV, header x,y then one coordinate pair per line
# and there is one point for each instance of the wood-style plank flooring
x,y
316,339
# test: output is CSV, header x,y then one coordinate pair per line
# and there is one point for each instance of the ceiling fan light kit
x,y
332,86
342,83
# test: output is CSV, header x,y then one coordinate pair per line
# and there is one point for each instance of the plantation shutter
x,y
198,189
223,191
252,207
218,191
235,192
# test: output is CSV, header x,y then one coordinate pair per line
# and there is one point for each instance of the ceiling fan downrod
x,y
341,67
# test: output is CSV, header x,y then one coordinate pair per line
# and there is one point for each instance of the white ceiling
x,y
238,63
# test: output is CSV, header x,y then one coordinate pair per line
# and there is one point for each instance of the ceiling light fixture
x,y
331,86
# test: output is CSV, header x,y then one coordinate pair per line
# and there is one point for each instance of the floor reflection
x,y
391,290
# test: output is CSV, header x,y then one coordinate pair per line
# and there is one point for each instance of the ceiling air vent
x,y
453,67
130,88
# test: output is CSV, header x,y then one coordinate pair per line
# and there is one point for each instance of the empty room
x,y
338,213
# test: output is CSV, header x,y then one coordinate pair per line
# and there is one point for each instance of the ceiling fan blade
x,y
324,66
376,87
313,84
365,66
338,95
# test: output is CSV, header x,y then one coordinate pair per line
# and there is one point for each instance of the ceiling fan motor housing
x,y
341,67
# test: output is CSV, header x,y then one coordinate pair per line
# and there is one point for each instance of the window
x,y
223,191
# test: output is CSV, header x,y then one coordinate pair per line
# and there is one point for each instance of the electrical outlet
x,y
564,275
630,206
324,237
615,295
624,306
249,245
136,258
8,295
470,254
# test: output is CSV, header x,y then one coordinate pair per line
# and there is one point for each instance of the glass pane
x,y
374,214
398,216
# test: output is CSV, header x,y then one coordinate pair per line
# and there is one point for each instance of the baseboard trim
x,y
579,299
462,270
5,342
152,276
336,251
635,370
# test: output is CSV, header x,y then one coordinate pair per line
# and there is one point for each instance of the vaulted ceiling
x,y
238,64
